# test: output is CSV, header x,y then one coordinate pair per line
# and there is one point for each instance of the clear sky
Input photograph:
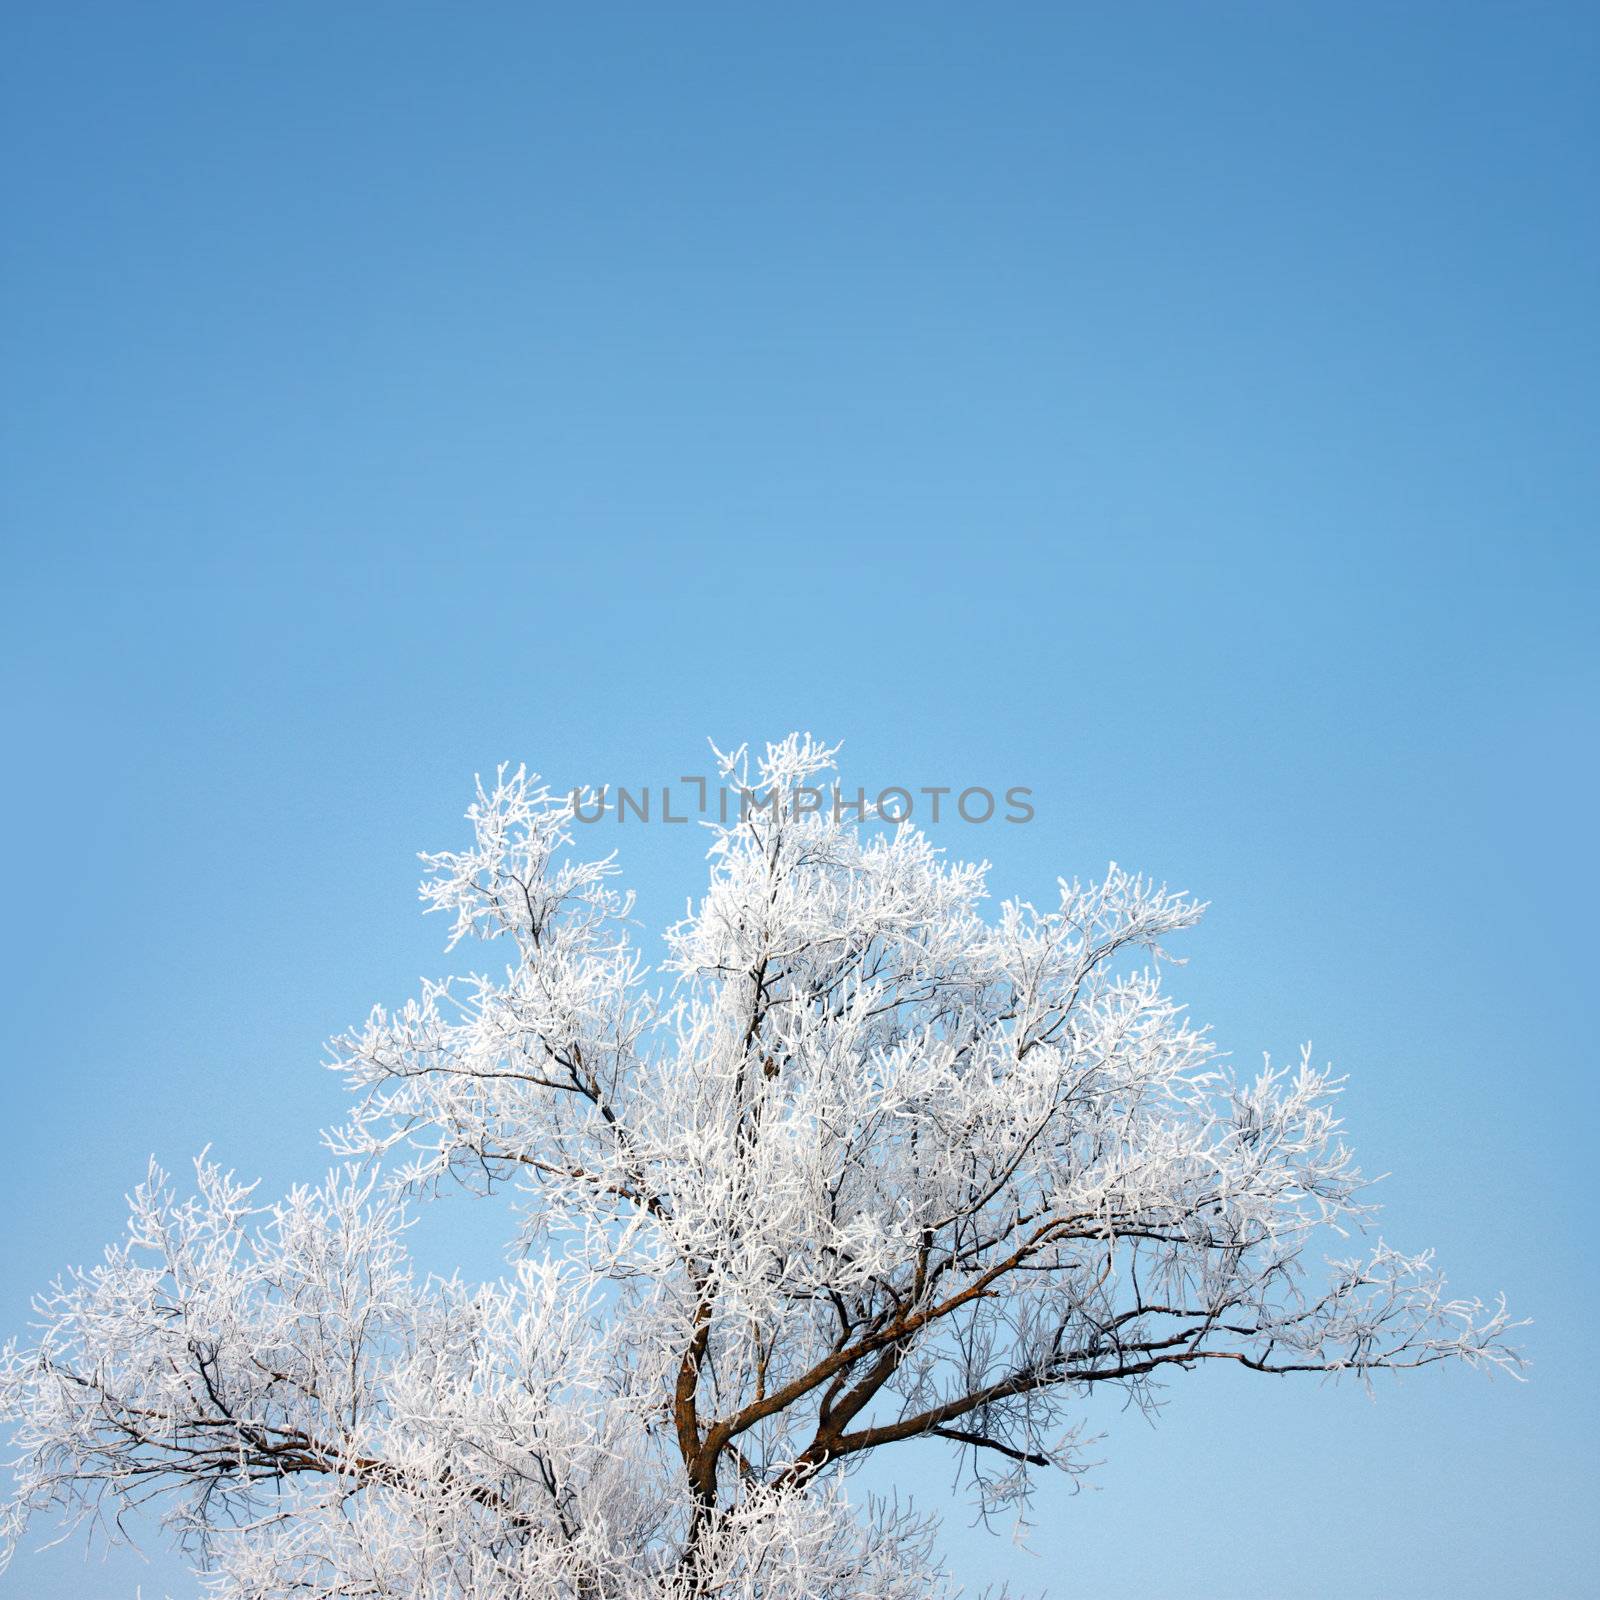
x,y
1187,411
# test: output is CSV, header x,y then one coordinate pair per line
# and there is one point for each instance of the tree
x,y
861,1167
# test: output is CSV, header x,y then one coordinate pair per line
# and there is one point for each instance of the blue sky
x,y
1187,412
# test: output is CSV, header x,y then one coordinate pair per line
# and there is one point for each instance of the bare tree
x,y
860,1165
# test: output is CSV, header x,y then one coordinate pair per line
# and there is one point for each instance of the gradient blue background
x,y
1185,410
